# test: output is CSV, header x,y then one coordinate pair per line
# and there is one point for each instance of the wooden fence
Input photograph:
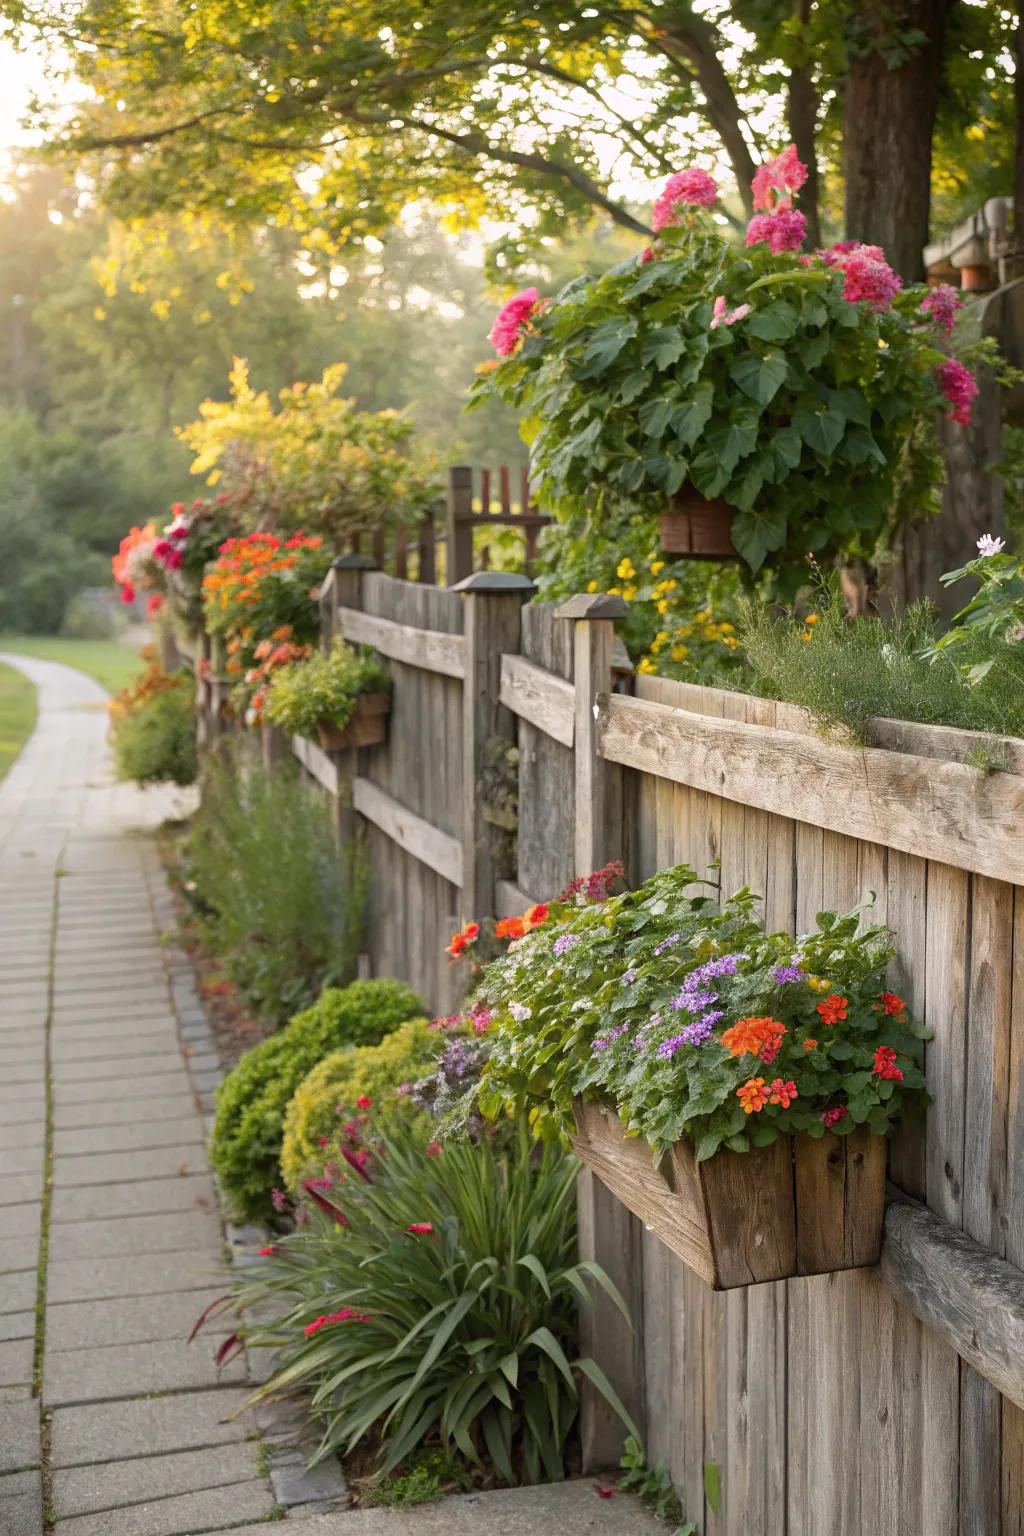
x,y
864,1403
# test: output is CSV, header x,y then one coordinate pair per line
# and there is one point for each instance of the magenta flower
x,y
828,1117
505,332
784,175
693,187
420,1228
784,230
866,273
959,386
943,304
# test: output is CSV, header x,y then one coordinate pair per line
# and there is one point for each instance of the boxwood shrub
x,y
251,1101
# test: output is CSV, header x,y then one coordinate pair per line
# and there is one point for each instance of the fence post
x,y
608,1232
459,554
493,625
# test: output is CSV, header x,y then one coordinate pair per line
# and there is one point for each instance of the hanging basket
x,y
800,1206
367,727
697,528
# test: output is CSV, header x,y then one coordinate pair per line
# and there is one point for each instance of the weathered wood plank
x,y
546,701
437,849
943,810
512,899
969,1296
318,764
426,648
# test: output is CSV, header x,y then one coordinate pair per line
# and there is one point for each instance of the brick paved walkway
x,y
92,1078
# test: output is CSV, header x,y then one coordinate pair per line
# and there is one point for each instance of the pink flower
x,y
785,175
694,187
421,1228
943,305
866,273
959,386
784,230
646,255
511,318
723,316
828,1117
434,1149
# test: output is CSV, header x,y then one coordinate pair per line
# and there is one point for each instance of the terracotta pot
x,y
367,727
697,527
801,1206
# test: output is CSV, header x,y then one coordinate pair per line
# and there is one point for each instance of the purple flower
x,y
628,977
606,1040
699,1032
725,965
786,973
673,938
565,941
668,1048
692,1001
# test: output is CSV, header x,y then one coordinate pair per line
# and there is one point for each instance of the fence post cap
x,y
495,581
354,563
592,605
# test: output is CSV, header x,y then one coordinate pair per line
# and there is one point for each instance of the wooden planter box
x,y
799,1207
367,727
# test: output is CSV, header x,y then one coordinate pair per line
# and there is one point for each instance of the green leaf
x,y
689,420
787,446
732,442
593,1372
654,415
776,322
605,345
713,1485
633,384
822,430
532,1263
806,277
708,1145
545,1340
760,377
664,346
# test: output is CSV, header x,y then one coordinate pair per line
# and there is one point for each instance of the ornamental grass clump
x,y
431,1297
323,689
693,1022
800,387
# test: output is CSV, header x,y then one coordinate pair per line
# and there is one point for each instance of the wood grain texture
x,y
424,648
546,701
318,764
417,837
840,1201
943,810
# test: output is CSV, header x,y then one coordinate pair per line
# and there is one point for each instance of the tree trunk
x,y
802,118
890,116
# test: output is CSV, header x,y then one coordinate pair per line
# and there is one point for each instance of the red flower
x,y
420,1227
364,1101
266,1252
885,1064
534,916
892,1004
782,1093
828,1117
509,928
434,1149
832,1008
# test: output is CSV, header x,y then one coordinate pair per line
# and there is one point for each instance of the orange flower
x,y
535,915
509,928
810,1044
467,935
754,1037
783,1093
753,1095
832,1009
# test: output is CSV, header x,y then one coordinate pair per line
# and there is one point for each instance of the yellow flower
x,y
731,642
806,634
624,570
726,629
670,586
591,586
684,631
680,652
614,591
662,605
661,638
629,593
656,566
645,664
703,616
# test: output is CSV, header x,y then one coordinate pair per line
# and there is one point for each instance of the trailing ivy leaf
x,y
820,430
664,346
749,489
787,446
733,442
755,534
689,420
654,415
633,385
860,447
776,322
760,377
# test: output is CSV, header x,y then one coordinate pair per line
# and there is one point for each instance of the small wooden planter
x,y
367,727
798,1207
696,527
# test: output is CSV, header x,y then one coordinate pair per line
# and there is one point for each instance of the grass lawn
x,y
17,714
108,661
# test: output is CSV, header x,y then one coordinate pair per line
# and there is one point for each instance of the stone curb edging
x,y
283,1426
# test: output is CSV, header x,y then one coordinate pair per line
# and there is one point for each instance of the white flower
x,y
519,1012
987,545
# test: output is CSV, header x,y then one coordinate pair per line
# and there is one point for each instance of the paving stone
x,y
178,1232
69,1014
22,1072
78,1490
22,1220
163,1365
214,1509
98,1115
19,1253
19,1138
19,1443
68,1033
75,1047
17,1325
18,1291
27,1109
16,1188
120,1065
132,1275
121,1167
149,1197
294,1482
138,1320
108,1432
125,1089
16,1362
21,1504
134,1136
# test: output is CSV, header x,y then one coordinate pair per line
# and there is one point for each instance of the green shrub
x,y
251,1101
445,1308
86,621
410,1052
153,728
279,903
327,689
848,670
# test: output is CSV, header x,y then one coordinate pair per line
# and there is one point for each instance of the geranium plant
x,y
324,689
800,388
694,1022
